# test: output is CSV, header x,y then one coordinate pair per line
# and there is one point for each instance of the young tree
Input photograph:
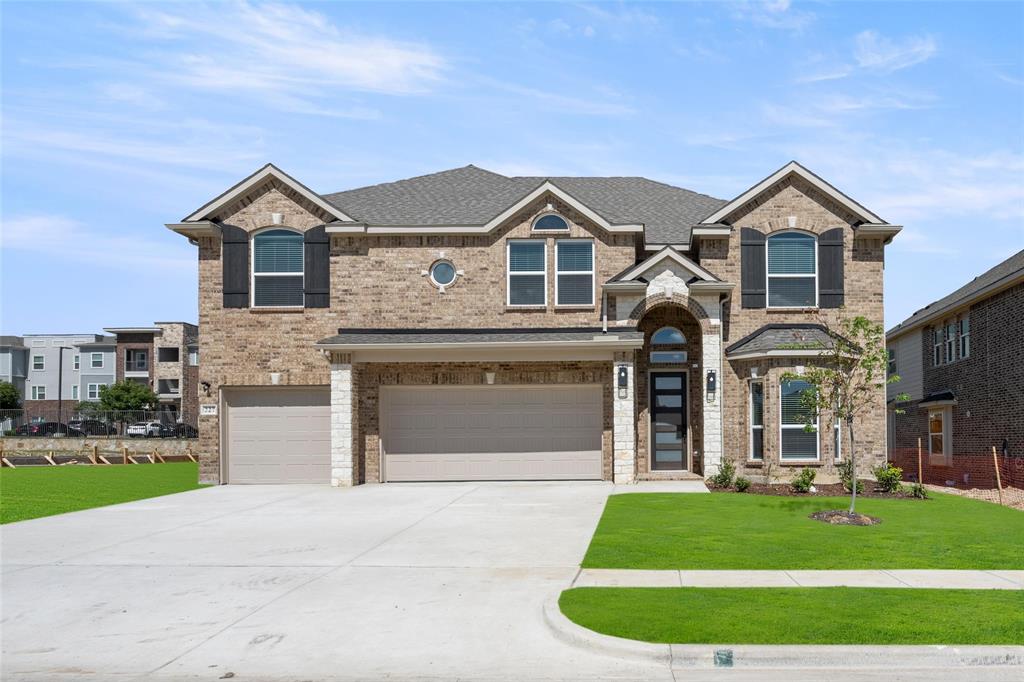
x,y
9,398
848,379
126,396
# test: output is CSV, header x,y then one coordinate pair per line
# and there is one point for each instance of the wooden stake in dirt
x,y
999,481
920,480
124,455
95,449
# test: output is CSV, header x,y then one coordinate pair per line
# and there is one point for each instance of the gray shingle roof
x,y
1010,267
782,337
475,336
473,196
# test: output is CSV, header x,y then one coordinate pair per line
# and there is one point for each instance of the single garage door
x,y
461,433
278,435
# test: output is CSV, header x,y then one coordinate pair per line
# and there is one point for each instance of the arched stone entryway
x,y
675,381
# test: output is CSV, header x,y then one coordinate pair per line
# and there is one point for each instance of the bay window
x,y
796,443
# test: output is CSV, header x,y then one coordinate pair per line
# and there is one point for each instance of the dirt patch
x,y
1012,497
839,517
820,490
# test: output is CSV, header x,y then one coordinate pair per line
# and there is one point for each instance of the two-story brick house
x,y
466,325
959,362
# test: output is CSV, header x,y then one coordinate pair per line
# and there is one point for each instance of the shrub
x,y
889,477
919,491
723,479
804,480
742,484
845,469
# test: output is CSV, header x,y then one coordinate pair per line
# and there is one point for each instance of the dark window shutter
x,y
318,267
235,265
830,268
752,268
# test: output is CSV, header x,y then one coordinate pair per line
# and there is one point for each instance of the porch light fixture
x,y
623,381
712,384
206,387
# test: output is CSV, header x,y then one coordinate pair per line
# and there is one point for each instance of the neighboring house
x,y
468,325
14,362
959,362
163,357
56,366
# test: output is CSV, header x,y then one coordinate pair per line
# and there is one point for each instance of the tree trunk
x,y
853,467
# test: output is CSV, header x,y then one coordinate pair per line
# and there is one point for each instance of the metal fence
x,y
75,423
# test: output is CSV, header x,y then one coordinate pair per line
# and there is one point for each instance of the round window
x,y
442,273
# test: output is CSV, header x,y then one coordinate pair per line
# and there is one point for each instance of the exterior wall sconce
x,y
712,384
206,387
489,377
623,381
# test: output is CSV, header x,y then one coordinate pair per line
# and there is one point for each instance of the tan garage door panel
x,y
278,435
438,433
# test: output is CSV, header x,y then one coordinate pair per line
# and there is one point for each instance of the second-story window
x,y
78,361
136,360
527,273
936,346
574,272
277,269
38,362
950,341
96,360
965,337
792,271
891,367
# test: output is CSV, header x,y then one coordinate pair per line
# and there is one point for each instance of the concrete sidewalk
x,y
959,580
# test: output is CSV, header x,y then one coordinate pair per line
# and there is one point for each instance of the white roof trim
x,y
712,231
793,167
784,353
270,170
202,228
134,330
672,254
884,231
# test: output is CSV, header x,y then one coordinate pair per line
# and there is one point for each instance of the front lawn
x,y
734,531
28,493
806,615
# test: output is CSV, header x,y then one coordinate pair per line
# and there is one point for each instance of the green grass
x,y
806,615
732,531
28,493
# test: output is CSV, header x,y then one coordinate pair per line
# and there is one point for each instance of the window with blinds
x,y
792,271
574,276
795,441
757,420
277,269
527,273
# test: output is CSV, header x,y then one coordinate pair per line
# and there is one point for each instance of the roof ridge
x,y
417,177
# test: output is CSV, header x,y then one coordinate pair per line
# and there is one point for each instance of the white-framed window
x,y
950,341
527,273
666,346
939,432
795,443
96,360
38,362
891,367
443,273
93,391
837,437
792,270
77,361
278,269
551,222
39,393
965,336
574,272
74,392
757,419
193,358
936,346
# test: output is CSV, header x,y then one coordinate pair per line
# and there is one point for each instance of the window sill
x,y
290,309
581,306
810,309
801,462
526,307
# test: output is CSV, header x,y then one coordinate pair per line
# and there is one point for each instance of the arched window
x,y
792,270
278,260
551,221
666,345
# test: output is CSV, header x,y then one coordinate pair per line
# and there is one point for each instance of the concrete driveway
x,y
436,581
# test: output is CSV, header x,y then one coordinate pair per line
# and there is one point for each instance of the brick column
x,y
624,421
343,471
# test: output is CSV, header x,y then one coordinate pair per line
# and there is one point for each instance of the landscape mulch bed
x,y
821,490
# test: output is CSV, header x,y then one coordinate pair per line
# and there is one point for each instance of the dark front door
x,y
668,421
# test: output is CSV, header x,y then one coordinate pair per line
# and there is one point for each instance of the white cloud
x,y
877,53
64,238
838,103
776,14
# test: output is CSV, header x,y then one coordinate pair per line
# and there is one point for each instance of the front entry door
x,y
668,421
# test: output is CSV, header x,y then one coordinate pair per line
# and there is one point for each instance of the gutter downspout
x,y
604,311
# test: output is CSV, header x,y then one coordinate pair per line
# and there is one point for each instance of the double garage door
x,y
428,433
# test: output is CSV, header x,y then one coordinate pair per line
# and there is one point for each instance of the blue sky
x,y
118,118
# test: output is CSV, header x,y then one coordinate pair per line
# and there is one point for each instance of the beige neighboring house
x,y
466,325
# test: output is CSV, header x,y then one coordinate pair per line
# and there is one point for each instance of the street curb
x,y
846,657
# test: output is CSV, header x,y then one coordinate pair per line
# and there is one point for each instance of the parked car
x,y
93,427
47,429
149,430
185,431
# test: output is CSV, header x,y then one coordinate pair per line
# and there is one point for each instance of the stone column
x,y
624,421
712,349
343,470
